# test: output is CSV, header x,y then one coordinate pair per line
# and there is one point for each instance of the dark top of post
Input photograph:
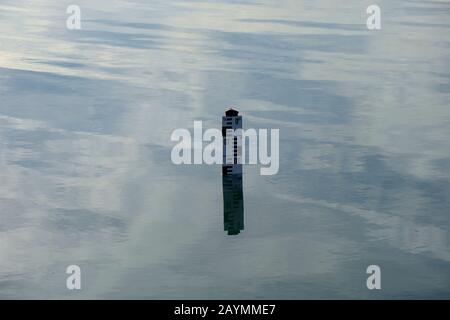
x,y
231,112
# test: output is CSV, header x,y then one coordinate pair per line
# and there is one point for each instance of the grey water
x,y
86,176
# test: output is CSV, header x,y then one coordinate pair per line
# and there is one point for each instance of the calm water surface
x,y
85,170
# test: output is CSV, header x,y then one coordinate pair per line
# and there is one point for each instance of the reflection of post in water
x,y
233,204
233,200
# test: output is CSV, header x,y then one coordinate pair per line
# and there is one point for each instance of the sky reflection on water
x,y
85,170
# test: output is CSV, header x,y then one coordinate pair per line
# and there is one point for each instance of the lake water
x,y
86,176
